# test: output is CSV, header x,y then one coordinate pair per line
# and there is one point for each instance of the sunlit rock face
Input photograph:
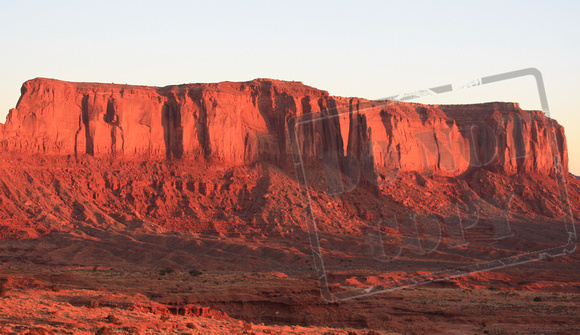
x,y
234,124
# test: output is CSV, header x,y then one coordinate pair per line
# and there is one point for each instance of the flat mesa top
x,y
225,85
262,84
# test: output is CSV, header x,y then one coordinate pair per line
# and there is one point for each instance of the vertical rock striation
x,y
243,123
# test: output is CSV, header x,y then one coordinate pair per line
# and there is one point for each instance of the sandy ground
x,y
47,312
68,300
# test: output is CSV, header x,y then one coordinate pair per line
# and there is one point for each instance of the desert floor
x,y
536,298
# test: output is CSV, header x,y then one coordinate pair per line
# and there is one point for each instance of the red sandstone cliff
x,y
241,123
124,165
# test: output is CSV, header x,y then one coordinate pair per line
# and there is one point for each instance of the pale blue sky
x,y
370,49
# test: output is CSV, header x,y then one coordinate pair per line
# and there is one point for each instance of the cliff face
x,y
124,165
230,122
242,123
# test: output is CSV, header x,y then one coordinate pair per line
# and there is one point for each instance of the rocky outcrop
x,y
241,123
230,122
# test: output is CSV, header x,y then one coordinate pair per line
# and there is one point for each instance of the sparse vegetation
x,y
93,304
166,271
165,317
195,273
131,330
55,288
537,299
247,326
113,319
3,290
104,331
38,331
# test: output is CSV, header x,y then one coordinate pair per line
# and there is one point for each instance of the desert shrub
x,y
3,290
38,331
113,319
247,326
195,273
55,288
93,304
165,317
104,331
537,299
166,271
131,330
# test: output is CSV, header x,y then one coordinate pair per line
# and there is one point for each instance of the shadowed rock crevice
x,y
201,122
172,130
89,136
113,119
